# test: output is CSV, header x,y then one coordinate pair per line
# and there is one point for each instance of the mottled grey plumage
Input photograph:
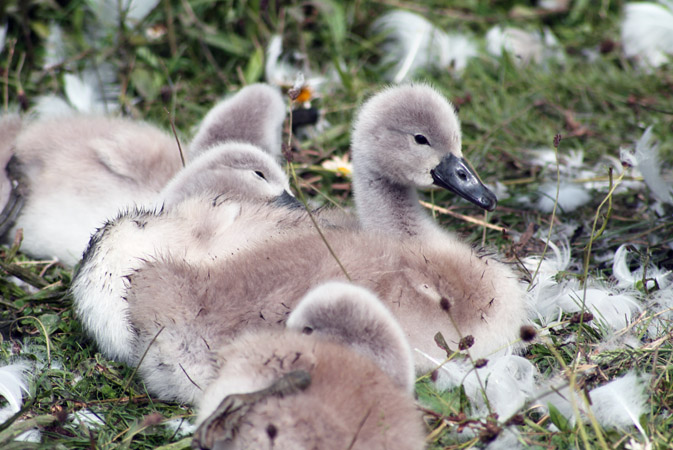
x,y
222,425
254,389
197,217
254,115
429,279
75,172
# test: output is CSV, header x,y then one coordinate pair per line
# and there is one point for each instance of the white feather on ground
x,y
613,307
508,380
660,309
627,278
13,384
3,35
525,47
645,158
110,12
87,418
616,404
647,32
412,43
180,426
55,50
570,197
88,93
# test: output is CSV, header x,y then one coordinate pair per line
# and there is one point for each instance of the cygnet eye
x,y
260,174
421,140
307,330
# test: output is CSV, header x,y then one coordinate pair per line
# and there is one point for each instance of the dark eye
x,y
307,330
421,140
260,174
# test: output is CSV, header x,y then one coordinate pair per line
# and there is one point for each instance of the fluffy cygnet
x,y
199,219
254,115
314,385
74,172
404,138
430,280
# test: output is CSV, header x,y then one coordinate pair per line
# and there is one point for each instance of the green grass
x,y
212,48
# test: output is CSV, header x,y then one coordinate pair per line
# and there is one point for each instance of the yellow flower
x,y
341,165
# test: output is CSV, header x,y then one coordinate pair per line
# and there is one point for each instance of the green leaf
x,y
50,322
333,14
147,83
255,67
230,43
558,419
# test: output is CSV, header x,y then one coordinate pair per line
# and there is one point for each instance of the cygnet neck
x,y
389,207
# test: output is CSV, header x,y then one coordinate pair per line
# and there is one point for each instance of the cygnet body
x,y
340,338
430,280
204,224
74,172
212,209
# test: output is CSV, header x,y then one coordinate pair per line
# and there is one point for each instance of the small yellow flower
x,y
341,165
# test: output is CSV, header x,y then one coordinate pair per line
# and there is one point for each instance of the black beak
x,y
457,176
286,200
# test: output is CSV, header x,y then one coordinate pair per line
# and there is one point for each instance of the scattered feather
x,y
509,381
617,404
570,197
525,47
413,44
554,5
508,439
13,384
111,12
91,92
647,32
87,418
626,278
52,106
660,307
180,426
3,35
55,51
645,158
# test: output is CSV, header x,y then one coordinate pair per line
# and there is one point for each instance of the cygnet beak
x,y
286,200
457,176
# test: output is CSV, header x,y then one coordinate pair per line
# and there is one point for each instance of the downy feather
x,y
627,278
647,32
413,43
616,404
525,47
645,157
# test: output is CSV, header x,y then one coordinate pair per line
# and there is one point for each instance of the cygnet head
x,y
239,170
353,316
409,135
255,115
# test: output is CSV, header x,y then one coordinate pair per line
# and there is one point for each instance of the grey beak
x,y
286,200
457,176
